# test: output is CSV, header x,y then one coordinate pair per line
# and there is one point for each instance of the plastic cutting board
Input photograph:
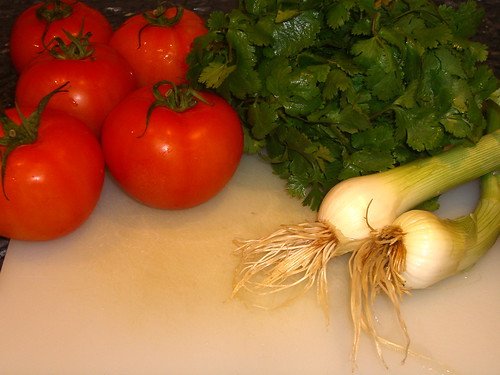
x,y
137,290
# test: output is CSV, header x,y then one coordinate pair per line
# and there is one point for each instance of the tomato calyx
x,y
78,47
53,10
158,17
25,133
179,98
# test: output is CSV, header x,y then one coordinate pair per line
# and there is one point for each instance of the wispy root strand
x,y
376,267
293,257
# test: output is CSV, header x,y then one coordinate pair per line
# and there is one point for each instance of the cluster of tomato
x,y
90,98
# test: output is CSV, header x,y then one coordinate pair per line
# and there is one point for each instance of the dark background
x,y
119,10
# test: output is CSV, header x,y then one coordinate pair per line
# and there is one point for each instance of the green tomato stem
x,y
159,18
53,10
179,98
78,48
25,133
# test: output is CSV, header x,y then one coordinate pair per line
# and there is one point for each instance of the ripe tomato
x,y
97,84
53,184
28,29
156,49
181,159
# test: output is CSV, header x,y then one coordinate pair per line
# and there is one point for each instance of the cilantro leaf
x,y
332,89
215,73
294,35
463,20
339,13
263,118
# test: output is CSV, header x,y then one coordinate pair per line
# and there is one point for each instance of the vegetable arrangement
x,y
369,109
393,249
168,148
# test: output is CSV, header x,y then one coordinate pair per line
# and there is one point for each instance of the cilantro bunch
x,y
332,89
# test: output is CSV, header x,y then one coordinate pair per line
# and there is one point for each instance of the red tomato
x,y
53,184
97,84
26,36
181,159
160,53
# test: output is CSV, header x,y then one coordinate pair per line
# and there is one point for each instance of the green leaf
x,y
261,34
385,83
285,15
339,13
422,128
243,49
393,36
251,145
256,6
345,63
412,67
215,73
449,62
409,24
296,90
456,125
483,83
319,72
463,20
376,138
216,20
408,98
372,160
351,120
432,37
476,52
263,118
336,81
244,82
362,27
292,36
367,51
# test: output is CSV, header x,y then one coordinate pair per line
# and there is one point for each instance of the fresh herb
x,y
332,89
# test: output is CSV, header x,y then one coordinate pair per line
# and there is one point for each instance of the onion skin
x,y
357,205
434,247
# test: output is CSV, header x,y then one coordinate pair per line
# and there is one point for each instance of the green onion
x,y
416,251
297,255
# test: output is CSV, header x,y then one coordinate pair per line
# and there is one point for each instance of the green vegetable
x,y
352,215
329,90
416,251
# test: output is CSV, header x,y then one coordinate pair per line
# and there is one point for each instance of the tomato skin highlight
x,y
97,84
53,184
26,35
182,159
163,50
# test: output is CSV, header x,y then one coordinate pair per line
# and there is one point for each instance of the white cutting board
x,y
142,291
